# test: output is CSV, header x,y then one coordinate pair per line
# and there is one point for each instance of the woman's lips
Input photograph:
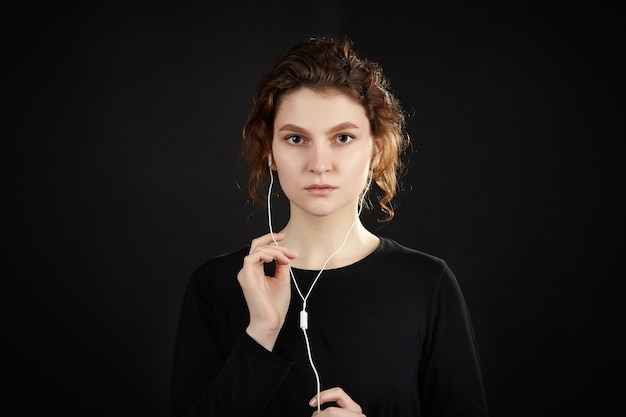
x,y
320,189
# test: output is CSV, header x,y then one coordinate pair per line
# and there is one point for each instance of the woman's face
x,y
322,150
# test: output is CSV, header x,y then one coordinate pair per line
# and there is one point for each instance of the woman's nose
x,y
319,159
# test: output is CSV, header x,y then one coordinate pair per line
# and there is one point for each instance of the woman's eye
x,y
294,139
344,139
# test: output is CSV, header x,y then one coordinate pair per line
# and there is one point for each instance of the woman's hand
x,y
267,297
345,405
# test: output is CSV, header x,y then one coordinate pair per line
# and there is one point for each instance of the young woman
x,y
324,317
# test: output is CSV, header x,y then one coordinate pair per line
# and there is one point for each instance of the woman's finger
x,y
266,239
266,245
340,397
269,253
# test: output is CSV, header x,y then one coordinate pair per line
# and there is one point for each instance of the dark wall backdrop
x,y
121,177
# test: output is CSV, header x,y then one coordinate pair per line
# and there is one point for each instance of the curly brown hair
x,y
327,63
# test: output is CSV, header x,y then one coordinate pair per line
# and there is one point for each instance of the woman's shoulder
x,y
225,260
214,281
403,255
403,263
218,273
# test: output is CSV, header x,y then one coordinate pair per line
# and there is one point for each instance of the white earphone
x,y
376,159
269,160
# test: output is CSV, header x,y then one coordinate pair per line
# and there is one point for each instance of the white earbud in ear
x,y
269,160
376,159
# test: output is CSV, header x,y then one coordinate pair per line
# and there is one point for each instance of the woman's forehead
x,y
322,109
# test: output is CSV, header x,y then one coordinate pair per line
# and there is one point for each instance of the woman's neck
x,y
315,239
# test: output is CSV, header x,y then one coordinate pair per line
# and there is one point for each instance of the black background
x,y
121,177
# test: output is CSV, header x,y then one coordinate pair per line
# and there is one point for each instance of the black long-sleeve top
x,y
392,330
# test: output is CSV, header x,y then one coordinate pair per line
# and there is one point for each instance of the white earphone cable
x,y
303,313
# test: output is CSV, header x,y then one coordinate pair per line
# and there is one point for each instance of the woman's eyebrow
x,y
341,126
292,128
